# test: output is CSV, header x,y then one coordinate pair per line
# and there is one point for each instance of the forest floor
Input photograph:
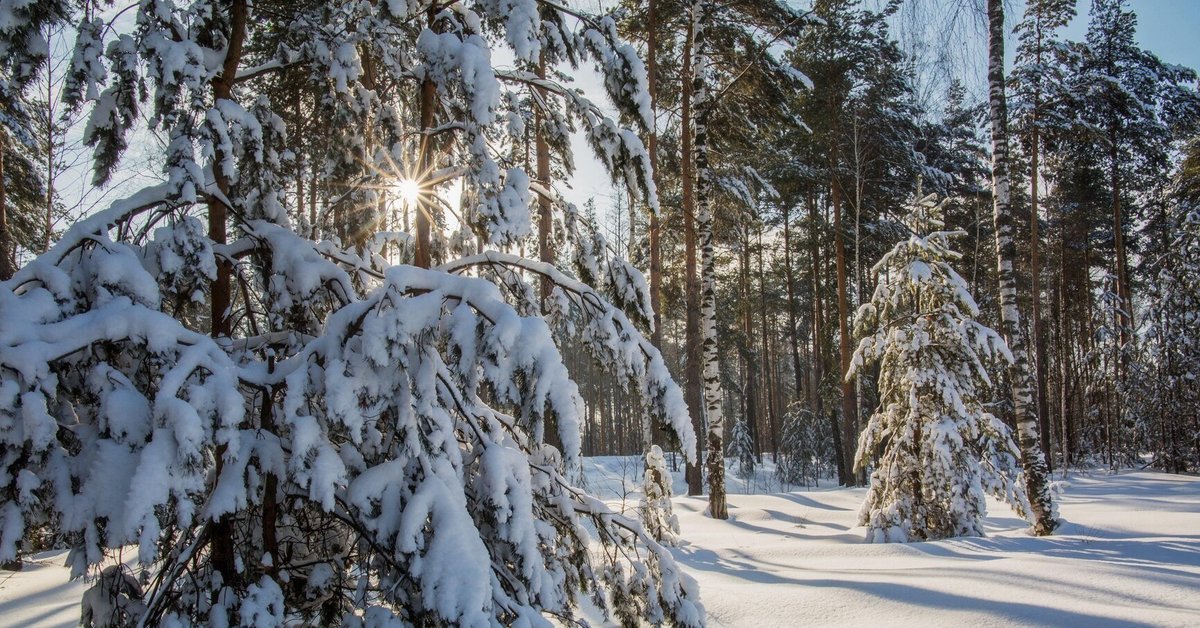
x,y
1127,554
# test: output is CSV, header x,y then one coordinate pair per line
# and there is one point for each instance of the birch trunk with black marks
x,y
717,508
691,334
1024,409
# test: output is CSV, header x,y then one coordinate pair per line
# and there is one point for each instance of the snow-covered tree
x,y
291,430
741,449
655,508
934,448
805,447
1168,390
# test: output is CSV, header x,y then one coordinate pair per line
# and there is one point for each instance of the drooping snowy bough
x,y
340,440
935,450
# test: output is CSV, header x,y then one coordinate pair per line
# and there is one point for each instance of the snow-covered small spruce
x,y
935,451
655,507
741,450
805,449
288,428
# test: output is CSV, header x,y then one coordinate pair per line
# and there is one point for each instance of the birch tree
x,y
1024,410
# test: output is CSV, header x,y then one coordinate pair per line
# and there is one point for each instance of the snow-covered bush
x,y
934,449
290,429
655,507
805,448
741,449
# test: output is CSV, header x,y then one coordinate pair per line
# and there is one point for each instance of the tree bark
x,y
6,245
752,362
422,254
849,405
652,150
789,276
772,423
717,507
222,540
1032,458
1035,245
692,341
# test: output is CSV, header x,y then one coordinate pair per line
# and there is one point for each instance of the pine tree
x,y
935,450
1168,390
293,430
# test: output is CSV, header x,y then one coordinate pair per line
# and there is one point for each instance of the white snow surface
x,y
1127,554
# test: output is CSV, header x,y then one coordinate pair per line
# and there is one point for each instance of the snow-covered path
x,y
1128,555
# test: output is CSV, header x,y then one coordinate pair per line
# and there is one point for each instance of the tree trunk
x,y
772,424
6,245
422,254
222,540
652,150
1036,474
545,224
692,340
849,406
1035,245
717,508
1124,293
752,362
793,333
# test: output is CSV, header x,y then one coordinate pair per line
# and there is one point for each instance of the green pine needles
x,y
935,451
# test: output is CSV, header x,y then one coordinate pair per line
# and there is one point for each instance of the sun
x,y
409,190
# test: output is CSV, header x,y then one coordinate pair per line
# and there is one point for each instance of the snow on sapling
x,y
741,449
934,451
804,447
354,443
655,508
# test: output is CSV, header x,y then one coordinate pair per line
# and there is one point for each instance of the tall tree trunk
x,y
789,276
422,250
717,508
849,405
1124,293
1035,245
221,539
545,223
652,150
693,348
752,361
1034,462
51,174
6,245
772,423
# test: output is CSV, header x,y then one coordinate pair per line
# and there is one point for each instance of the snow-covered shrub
x,y
741,449
805,448
655,507
290,430
934,450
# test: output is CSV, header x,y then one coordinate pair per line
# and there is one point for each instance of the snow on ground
x,y
1128,554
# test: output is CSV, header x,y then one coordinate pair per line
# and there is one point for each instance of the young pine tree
x,y
741,449
934,449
